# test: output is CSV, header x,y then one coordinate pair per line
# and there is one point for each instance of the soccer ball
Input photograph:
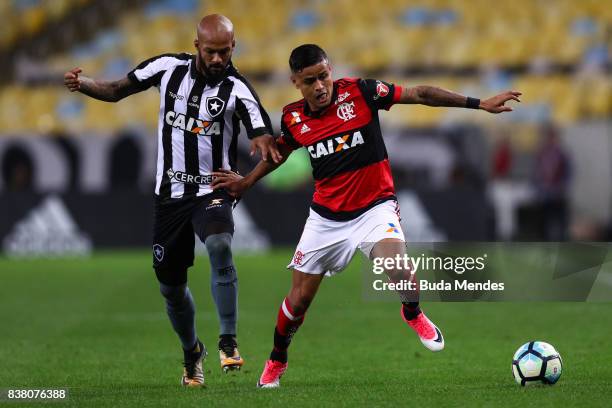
x,y
536,362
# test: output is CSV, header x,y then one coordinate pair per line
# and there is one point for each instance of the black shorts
x,y
176,223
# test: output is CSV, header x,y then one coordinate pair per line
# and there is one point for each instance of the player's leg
x,y
172,255
223,280
324,249
385,239
411,313
214,225
290,317
224,289
292,311
181,311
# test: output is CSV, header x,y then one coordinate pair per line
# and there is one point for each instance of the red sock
x,y
287,324
287,321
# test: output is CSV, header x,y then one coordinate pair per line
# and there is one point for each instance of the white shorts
x,y
327,246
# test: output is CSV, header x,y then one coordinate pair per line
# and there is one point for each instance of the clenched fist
x,y
72,80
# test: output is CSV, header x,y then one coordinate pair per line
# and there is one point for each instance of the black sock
x,y
281,343
227,339
279,355
197,348
411,310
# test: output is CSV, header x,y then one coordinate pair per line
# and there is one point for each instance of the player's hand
x,y
267,147
496,104
230,181
71,79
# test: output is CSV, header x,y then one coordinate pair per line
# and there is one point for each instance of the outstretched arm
x,y
108,91
434,96
236,185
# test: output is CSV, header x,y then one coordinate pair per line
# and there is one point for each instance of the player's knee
x,y
219,248
173,294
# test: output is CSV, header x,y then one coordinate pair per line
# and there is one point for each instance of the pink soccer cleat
x,y
430,335
273,371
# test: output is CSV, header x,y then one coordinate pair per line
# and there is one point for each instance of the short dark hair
x,y
306,55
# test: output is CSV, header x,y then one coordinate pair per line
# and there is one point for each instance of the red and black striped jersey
x,y
347,153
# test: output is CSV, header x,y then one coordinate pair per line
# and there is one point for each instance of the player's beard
x,y
213,75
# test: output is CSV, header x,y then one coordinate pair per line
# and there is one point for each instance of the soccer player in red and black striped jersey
x,y
354,204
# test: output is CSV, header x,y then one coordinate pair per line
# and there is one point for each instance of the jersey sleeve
x,y
379,94
149,73
250,111
287,138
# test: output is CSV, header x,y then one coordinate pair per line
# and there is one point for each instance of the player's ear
x,y
196,43
294,81
233,44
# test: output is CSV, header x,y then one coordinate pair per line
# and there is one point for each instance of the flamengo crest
x,y
345,111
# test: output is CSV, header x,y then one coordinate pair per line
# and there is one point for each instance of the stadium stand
x,y
23,18
556,52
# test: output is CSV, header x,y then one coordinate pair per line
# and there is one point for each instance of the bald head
x,y
215,44
215,27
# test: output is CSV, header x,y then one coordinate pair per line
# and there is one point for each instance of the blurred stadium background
x,y
78,174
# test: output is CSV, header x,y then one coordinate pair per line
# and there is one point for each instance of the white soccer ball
x,y
536,362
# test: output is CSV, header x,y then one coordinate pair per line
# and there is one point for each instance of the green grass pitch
x,y
98,327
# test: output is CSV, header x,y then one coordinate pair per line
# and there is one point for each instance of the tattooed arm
x,y
434,96
109,91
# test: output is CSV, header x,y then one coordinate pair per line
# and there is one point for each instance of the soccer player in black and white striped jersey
x,y
203,98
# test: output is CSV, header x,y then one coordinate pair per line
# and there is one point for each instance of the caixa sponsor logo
x,y
189,178
335,145
193,125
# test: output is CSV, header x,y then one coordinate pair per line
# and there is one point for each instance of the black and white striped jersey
x,y
199,122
